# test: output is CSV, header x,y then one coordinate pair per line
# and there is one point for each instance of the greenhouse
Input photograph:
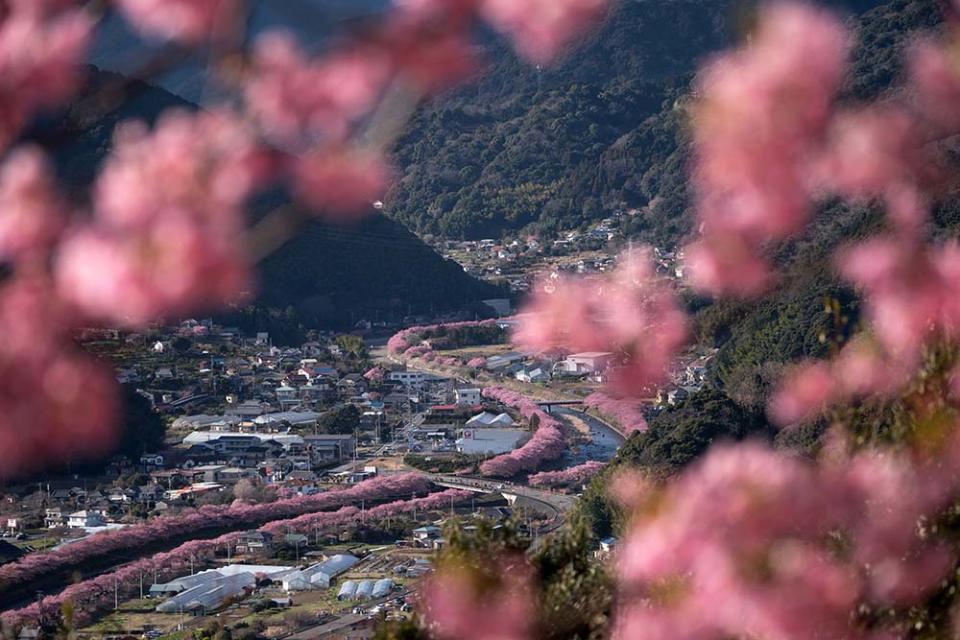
x,y
211,593
347,590
364,590
382,588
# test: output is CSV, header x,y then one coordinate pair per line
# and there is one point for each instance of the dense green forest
x,y
550,149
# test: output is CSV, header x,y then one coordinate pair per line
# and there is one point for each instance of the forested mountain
x,y
757,337
553,148
330,275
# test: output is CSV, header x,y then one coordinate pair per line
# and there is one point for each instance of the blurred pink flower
x,y
455,609
763,112
167,266
740,546
630,313
541,29
186,21
206,164
934,70
31,211
56,403
43,46
340,184
292,95
724,264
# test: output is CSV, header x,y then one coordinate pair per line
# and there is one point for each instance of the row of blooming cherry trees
x,y
545,445
237,515
164,230
623,411
565,477
96,595
403,341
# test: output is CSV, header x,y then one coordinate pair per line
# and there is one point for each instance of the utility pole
x,y
116,593
141,584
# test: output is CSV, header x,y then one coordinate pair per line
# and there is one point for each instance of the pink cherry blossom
x,y
763,113
169,266
738,546
42,48
456,609
541,29
56,402
935,79
31,212
186,21
207,164
572,476
340,184
292,95
630,312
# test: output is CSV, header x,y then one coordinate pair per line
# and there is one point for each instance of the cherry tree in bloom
x,y
238,514
95,595
546,444
572,476
691,569
630,313
624,411
477,363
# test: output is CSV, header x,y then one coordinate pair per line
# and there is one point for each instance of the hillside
x,y
331,276
551,149
757,337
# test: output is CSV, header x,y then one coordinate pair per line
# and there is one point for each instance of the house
x,y
84,519
607,546
586,363
408,378
423,535
54,518
504,360
468,396
255,543
329,447
532,374
151,461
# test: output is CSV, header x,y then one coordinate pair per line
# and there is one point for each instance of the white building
x,y
469,396
411,378
489,441
587,362
84,519
319,576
